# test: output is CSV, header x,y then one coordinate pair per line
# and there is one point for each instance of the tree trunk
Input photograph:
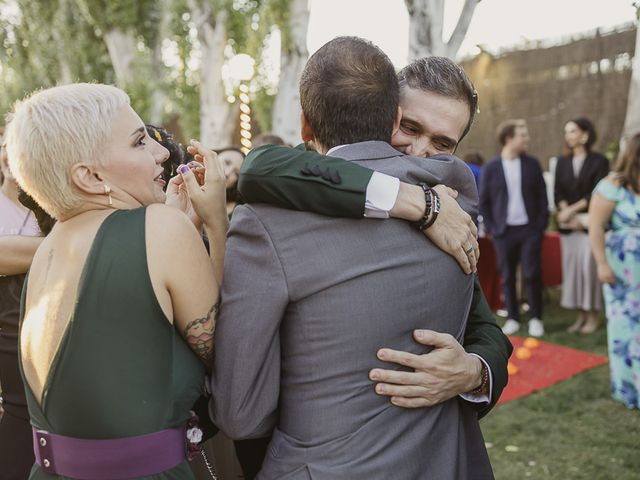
x,y
426,18
294,55
216,124
632,118
122,50
65,76
159,94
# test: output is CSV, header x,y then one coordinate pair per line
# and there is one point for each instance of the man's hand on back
x,y
439,375
454,231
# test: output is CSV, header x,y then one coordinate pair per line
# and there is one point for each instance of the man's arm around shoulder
x,y
282,176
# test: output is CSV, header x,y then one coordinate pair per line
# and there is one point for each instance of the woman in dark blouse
x,y
577,173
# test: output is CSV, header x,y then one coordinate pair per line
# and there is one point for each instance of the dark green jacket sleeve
x,y
298,179
484,337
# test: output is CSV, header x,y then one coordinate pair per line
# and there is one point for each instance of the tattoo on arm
x,y
199,334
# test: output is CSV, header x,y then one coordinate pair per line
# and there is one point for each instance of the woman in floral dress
x,y
615,207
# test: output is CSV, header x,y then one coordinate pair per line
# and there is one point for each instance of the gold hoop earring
x,y
107,192
584,139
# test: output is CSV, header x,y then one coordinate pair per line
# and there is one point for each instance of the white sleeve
x,y
381,196
486,398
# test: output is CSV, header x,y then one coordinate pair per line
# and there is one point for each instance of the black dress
x,y
16,451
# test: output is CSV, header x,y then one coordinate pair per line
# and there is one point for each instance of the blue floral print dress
x,y
622,299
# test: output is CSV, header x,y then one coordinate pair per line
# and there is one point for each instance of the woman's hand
x,y
178,197
605,274
564,215
208,196
572,224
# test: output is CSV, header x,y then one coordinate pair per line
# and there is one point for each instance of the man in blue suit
x,y
513,204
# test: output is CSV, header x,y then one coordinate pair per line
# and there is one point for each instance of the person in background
x,y
578,171
474,161
231,158
267,139
615,206
514,208
16,451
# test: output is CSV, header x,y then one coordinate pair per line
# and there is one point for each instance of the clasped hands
x,y
199,188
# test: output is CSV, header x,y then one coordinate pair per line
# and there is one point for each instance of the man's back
x,y
331,293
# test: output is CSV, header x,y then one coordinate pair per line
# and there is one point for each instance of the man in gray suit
x,y
308,300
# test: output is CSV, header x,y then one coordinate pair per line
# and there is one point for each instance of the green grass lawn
x,y
572,430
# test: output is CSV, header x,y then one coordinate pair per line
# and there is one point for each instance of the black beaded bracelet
x,y
435,209
432,208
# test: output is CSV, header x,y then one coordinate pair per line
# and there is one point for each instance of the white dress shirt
x,y
382,193
577,163
516,211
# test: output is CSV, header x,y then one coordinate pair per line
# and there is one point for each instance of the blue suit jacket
x,y
494,195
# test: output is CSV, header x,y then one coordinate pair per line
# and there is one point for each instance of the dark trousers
x,y
521,244
250,454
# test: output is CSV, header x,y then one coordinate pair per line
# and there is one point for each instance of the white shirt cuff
x,y
485,398
382,193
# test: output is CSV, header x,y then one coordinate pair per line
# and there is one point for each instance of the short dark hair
x,y
585,125
507,129
349,93
45,221
444,77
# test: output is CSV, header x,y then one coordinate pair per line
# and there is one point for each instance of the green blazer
x,y
305,180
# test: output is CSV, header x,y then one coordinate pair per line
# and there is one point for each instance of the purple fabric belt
x,y
112,459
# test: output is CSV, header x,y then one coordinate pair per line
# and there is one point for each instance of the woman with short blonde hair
x,y
121,300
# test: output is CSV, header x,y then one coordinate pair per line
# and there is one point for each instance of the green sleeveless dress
x,y
121,369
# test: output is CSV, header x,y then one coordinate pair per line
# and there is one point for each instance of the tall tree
x,y
47,42
158,94
294,23
130,32
215,125
120,23
426,19
632,118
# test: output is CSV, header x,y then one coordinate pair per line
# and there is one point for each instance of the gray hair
x,y
444,77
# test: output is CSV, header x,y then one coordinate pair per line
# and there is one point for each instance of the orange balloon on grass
x,y
523,353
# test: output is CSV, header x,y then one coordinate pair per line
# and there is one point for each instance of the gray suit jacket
x,y
307,301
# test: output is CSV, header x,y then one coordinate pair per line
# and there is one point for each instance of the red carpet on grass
x,y
549,364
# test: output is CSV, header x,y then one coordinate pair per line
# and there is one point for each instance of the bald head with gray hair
x,y
442,76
